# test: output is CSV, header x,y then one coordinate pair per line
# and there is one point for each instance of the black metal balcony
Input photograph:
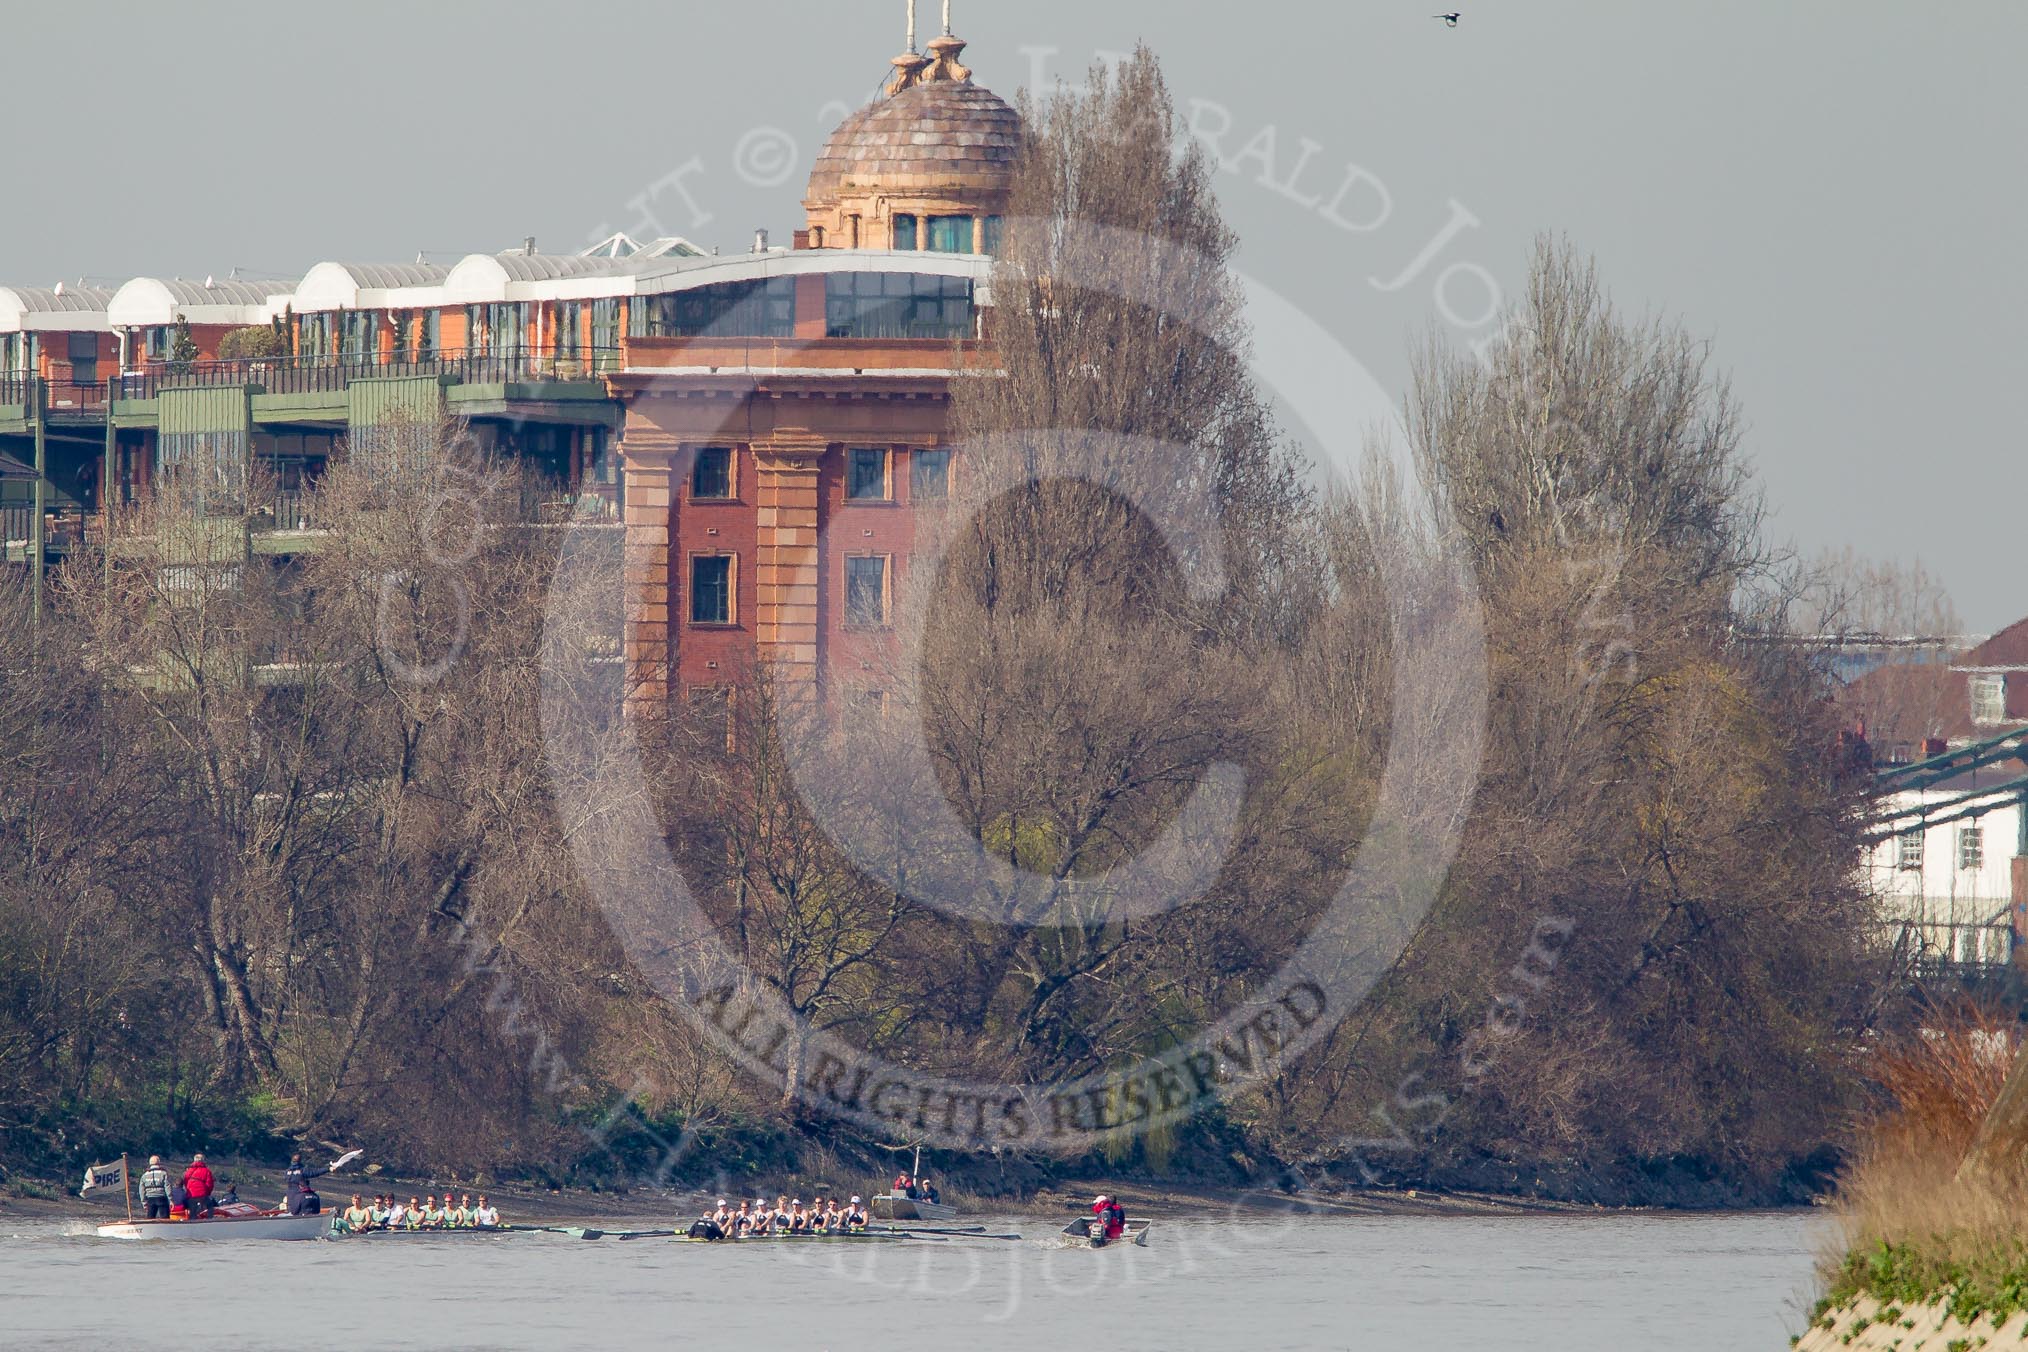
x,y
323,375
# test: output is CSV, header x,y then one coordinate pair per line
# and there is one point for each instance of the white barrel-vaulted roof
x,y
485,279
62,308
371,286
482,279
148,302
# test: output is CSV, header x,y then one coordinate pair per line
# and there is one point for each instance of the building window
x,y
898,305
950,234
711,477
866,475
866,591
506,328
1908,850
359,334
904,232
157,343
569,329
601,465
605,328
1989,699
1971,847
711,589
711,709
929,476
765,308
993,232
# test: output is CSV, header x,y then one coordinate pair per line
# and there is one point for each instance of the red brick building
x,y
762,424
771,476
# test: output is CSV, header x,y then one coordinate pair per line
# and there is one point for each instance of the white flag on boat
x,y
112,1175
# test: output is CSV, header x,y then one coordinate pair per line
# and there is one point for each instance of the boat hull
x,y
220,1228
888,1207
1079,1234
463,1232
860,1237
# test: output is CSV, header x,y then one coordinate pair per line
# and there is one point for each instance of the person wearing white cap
x,y
155,1187
723,1216
855,1215
1110,1215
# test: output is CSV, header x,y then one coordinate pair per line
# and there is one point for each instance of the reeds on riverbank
x,y
1917,1227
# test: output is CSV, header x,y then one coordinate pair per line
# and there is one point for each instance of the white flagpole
x,y
947,18
126,1185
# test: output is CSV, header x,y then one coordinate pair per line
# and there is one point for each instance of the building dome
x,y
936,148
943,136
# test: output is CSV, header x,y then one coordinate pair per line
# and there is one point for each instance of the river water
x,y
1612,1283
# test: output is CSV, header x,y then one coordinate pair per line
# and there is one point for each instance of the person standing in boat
x,y
155,1186
197,1185
296,1179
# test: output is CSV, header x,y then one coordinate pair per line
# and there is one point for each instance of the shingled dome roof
x,y
939,135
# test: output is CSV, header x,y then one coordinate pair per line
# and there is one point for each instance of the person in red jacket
x,y
1114,1216
198,1183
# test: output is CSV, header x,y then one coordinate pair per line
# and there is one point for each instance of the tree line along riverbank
x,y
259,886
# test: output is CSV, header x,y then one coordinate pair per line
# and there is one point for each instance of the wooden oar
x,y
941,1229
574,1231
972,1232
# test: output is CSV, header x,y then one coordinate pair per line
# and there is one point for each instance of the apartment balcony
x,y
63,532
1937,949
330,375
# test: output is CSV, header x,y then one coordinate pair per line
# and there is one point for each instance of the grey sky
x,y
1833,192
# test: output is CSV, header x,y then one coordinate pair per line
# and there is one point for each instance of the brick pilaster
x,y
786,575
651,594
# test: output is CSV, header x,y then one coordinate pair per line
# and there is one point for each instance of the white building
x,y
1949,857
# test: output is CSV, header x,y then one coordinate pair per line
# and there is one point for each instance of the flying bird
x,y
1450,19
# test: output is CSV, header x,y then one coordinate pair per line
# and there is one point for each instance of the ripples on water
x,y
1572,1284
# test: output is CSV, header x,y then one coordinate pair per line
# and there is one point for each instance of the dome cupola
x,y
926,166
